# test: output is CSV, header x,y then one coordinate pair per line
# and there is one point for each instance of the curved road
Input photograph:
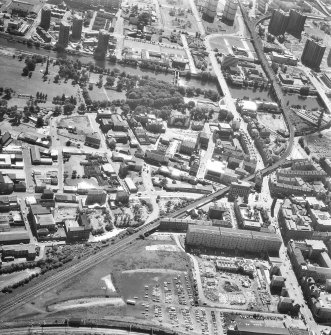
x,y
58,278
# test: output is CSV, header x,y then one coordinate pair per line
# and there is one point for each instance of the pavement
x,y
197,18
188,53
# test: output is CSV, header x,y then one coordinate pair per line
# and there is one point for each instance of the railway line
x,y
30,293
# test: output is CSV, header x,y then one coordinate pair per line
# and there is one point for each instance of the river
x,y
15,46
257,94
236,92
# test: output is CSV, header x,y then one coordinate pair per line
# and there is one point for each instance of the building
x,y
287,58
230,239
130,185
217,212
262,5
210,10
14,237
239,189
230,10
27,251
294,220
203,140
93,141
156,157
6,184
278,23
187,147
76,232
22,8
77,27
248,217
102,47
96,197
45,19
64,34
312,54
296,23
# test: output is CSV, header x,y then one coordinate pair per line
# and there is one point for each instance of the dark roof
x,y
255,330
5,138
39,210
1,178
8,236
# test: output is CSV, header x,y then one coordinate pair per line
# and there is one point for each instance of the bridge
x,y
83,265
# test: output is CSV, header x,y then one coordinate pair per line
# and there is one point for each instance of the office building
x,y
96,197
64,34
45,19
278,23
230,239
102,47
312,54
77,27
210,10
239,189
230,10
296,23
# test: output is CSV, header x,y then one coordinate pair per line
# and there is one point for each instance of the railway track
x,y
62,276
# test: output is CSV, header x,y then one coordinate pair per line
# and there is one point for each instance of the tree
x,y
40,122
68,108
25,71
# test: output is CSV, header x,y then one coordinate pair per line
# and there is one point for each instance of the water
x,y
167,77
258,94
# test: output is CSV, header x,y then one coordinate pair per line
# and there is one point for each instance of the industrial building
x,y
312,54
230,10
64,34
278,23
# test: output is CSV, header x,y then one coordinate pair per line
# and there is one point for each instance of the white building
x,y
130,185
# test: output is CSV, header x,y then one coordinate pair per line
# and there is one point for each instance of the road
x,y
189,55
197,18
58,279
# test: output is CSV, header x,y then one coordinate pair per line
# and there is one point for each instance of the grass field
x,y
11,76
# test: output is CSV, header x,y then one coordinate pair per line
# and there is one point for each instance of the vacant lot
x,y
92,282
271,122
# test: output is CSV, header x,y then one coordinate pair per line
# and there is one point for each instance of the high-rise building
x,y
77,27
64,34
278,23
210,10
45,19
313,53
262,5
230,10
102,47
296,23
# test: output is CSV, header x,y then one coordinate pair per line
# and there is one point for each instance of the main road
x,y
58,279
